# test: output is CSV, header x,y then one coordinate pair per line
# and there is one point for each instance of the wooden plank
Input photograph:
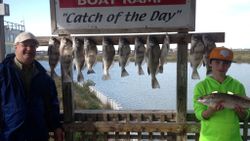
x,y
101,126
174,38
181,96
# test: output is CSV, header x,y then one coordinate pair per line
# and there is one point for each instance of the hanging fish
x,y
164,52
196,55
66,53
90,54
153,53
78,57
123,53
108,51
139,54
209,44
53,54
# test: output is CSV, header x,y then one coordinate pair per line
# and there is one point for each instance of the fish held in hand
x,y
108,54
53,55
227,100
153,55
139,54
90,54
123,53
79,59
66,58
196,55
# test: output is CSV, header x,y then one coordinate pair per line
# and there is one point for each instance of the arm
x,y
203,112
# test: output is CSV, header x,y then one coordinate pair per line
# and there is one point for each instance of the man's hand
x,y
58,134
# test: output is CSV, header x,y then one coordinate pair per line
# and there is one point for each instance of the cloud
x,y
227,16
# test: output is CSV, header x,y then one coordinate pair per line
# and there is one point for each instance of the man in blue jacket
x,y
29,107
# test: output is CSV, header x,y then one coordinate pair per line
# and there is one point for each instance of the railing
x,y
103,125
14,26
130,124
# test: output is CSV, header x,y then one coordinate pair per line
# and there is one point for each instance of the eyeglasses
x,y
29,44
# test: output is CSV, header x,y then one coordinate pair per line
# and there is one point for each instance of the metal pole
x,y
2,37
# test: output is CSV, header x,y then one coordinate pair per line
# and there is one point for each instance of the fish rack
x,y
120,124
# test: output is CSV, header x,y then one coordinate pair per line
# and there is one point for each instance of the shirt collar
x,y
22,66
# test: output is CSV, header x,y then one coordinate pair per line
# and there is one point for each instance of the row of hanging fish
x,y
83,53
201,46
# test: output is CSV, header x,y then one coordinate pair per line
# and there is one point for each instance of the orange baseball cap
x,y
221,53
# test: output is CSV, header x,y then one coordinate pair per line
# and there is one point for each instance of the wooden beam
x,y
103,126
174,37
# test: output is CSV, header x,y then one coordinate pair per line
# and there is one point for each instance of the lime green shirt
x,y
224,124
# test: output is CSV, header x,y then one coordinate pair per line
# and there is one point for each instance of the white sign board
x,y
119,16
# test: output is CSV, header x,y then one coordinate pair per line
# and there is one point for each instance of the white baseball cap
x,y
25,36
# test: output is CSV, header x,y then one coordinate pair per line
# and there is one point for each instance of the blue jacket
x,y
22,117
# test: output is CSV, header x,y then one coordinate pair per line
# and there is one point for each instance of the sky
x,y
229,16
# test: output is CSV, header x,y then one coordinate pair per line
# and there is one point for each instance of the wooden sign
x,y
121,16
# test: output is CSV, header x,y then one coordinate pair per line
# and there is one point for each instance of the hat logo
x,y
224,53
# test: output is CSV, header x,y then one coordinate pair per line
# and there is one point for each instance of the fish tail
x,y
80,77
90,71
155,83
195,74
53,74
160,69
67,78
106,77
140,70
209,70
148,71
124,73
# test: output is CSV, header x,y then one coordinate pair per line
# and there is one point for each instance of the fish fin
x,y
124,73
160,70
195,74
155,83
80,77
148,71
90,71
140,71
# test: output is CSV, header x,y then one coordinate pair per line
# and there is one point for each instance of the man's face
x,y
26,51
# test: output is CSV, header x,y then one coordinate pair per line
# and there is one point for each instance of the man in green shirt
x,y
219,123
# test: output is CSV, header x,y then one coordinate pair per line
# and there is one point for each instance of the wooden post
x,y
182,49
2,37
68,104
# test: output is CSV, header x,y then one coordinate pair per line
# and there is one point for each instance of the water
x,y
135,92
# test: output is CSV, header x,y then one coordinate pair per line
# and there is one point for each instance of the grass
x,y
83,97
